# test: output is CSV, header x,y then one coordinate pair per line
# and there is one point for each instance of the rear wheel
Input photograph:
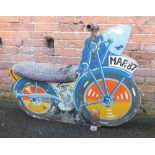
x,y
123,104
35,107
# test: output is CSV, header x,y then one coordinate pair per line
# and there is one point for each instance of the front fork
x,y
107,98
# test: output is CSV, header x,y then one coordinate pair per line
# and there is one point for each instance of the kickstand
x,y
93,128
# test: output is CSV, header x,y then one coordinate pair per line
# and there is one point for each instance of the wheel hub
x,y
108,101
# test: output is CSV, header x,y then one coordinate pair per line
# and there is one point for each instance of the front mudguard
x,y
117,71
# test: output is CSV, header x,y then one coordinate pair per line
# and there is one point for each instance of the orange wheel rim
x,y
121,105
42,106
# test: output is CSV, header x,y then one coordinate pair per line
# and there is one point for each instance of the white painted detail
x,y
86,84
109,110
133,90
118,97
109,113
89,92
93,94
126,95
118,30
97,95
110,116
93,128
28,89
121,96
123,62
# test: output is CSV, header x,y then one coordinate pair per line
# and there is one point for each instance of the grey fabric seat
x,y
46,72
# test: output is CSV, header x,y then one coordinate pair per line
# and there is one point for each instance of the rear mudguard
x,y
14,76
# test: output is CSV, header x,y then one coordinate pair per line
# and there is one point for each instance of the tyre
x,y
33,106
125,101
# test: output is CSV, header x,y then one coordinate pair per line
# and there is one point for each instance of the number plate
x,y
123,62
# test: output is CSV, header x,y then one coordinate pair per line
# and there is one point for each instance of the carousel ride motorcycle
x,y
101,91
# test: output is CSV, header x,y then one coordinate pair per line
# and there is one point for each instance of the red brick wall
x,y
23,39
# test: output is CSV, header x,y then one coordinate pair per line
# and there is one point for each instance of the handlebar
x,y
92,27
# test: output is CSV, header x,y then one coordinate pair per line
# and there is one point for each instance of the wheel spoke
x,y
35,87
99,87
102,75
117,86
91,103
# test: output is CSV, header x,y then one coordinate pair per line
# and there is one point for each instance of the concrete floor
x,y
15,123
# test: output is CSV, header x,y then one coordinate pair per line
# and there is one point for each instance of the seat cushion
x,y
46,72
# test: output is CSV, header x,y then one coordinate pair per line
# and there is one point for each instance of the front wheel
x,y
124,102
35,107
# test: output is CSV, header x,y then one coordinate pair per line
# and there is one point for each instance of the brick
x,y
5,88
69,60
8,35
25,19
71,27
4,73
140,80
144,29
60,44
141,72
142,38
148,97
23,35
152,65
148,89
144,63
4,57
145,20
5,66
47,27
70,36
9,19
134,29
68,52
21,57
95,19
37,35
75,44
151,73
147,47
34,43
6,80
150,80
143,55
60,35
46,59
17,27
43,19
24,50
41,51
133,46
9,50
121,20
23,27
11,42
69,19
6,26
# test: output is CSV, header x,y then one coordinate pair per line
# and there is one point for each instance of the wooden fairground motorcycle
x,y
101,91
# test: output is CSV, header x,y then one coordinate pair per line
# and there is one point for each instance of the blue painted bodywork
x,y
95,55
94,61
111,42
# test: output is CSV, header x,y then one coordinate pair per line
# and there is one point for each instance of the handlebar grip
x,y
92,27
